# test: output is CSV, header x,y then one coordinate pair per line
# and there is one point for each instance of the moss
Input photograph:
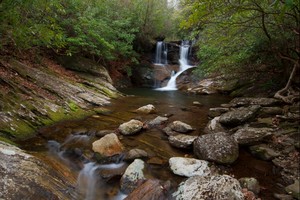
x,y
17,129
73,106
6,140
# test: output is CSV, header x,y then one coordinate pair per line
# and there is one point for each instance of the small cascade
x,y
161,53
183,61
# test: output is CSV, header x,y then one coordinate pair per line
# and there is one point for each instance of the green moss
x,y
6,140
18,129
73,106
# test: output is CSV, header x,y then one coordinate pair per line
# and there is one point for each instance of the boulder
x,y
251,184
152,189
218,147
181,127
209,187
250,135
146,109
270,111
247,101
133,176
294,189
214,126
182,140
24,176
189,167
215,112
108,145
168,131
262,151
238,116
135,153
131,127
157,121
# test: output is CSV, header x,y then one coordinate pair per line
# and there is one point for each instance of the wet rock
x,y
146,109
182,140
215,112
152,189
246,101
217,147
251,184
270,111
156,161
102,133
168,131
294,189
24,176
157,121
209,187
262,151
133,176
131,127
283,196
238,116
214,126
197,103
250,135
135,153
108,145
181,127
189,167
110,174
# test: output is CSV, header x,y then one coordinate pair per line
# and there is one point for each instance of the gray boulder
x,y
262,151
215,112
135,153
250,135
209,187
217,147
182,140
251,184
131,127
214,126
181,127
146,109
157,121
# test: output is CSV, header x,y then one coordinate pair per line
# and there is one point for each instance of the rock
x,y
217,147
270,111
238,116
102,133
215,112
24,176
197,103
156,161
181,127
250,135
294,189
110,174
246,101
135,153
262,151
209,187
157,121
108,145
131,127
181,140
189,167
146,109
283,196
152,189
251,184
214,126
168,131
133,176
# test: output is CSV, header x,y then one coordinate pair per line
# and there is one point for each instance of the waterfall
x,y
161,53
183,61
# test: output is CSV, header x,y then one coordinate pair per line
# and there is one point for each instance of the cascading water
x,y
161,53
183,61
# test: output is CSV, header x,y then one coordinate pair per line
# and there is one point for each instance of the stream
x,y
53,143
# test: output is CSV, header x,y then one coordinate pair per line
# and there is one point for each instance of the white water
x,y
161,53
183,61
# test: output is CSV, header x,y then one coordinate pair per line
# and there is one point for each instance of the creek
x,y
67,145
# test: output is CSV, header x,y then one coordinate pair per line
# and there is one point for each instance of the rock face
x,y
182,140
250,135
131,127
238,116
25,177
209,187
189,167
146,109
133,176
108,145
181,127
217,147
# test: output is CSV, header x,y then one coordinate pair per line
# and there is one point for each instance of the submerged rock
x,y
189,167
133,176
157,121
24,176
182,140
262,151
108,145
181,127
209,187
135,153
217,147
250,135
146,109
131,127
251,184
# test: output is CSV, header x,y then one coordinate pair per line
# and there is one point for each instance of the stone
x,y
214,126
215,112
189,167
133,176
250,135
152,189
209,187
135,153
181,127
270,111
262,151
251,184
131,127
182,140
247,101
157,121
108,145
283,196
24,176
294,189
102,133
168,131
197,103
218,147
238,116
146,109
